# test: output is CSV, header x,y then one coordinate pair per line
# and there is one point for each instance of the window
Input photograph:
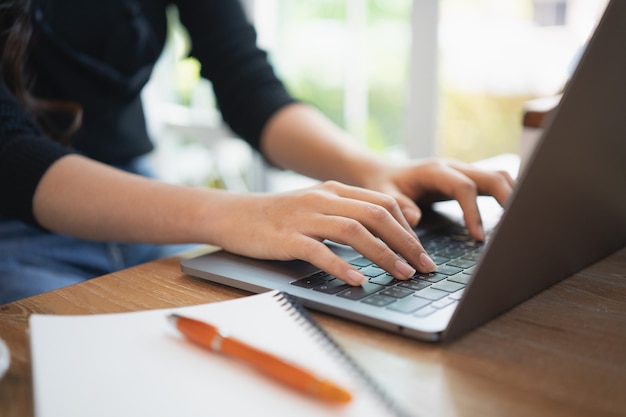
x,y
351,58
406,77
494,56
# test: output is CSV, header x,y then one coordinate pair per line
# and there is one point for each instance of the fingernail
x,y
405,269
355,277
427,263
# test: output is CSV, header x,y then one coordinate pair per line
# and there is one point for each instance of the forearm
x,y
301,139
83,198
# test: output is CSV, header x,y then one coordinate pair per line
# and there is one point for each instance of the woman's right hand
x,y
293,225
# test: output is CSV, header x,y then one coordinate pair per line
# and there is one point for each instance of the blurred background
x,y
409,78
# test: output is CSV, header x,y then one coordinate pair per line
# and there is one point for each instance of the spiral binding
x,y
297,310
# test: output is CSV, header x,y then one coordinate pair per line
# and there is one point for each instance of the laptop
x,y
567,211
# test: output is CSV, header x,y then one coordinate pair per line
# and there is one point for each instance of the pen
x,y
301,379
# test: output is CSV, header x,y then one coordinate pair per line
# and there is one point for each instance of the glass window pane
x,y
348,58
494,57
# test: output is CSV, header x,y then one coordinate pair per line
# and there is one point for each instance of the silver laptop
x,y
568,210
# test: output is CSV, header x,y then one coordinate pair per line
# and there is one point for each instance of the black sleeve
x,y
25,155
247,90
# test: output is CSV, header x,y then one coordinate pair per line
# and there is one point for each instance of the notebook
x,y
137,364
567,211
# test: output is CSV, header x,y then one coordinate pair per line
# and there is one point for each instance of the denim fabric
x,y
33,261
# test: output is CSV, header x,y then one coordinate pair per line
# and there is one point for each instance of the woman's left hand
x,y
427,181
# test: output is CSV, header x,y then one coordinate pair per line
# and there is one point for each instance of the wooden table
x,y
562,353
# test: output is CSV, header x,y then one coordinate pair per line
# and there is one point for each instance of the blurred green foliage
x,y
472,126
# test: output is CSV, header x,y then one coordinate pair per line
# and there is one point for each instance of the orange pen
x,y
301,379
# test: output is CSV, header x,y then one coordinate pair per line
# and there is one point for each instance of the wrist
x,y
366,169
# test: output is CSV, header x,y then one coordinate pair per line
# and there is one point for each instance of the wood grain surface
x,y
562,353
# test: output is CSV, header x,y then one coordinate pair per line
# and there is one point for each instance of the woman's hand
x,y
300,138
377,224
293,225
424,182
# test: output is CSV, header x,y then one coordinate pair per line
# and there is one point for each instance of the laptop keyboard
x,y
455,254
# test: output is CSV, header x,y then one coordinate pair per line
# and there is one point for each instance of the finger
x,y
498,184
470,181
467,199
507,187
411,211
318,254
456,184
509,179
385,201
378,221
357,217
399,257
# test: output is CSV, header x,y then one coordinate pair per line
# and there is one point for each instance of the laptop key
x,y
397,292
312,280
448,269
431,277
385,279
379,300
470,270
448,286
332,287
439,260
438,243
431,294
472,256
409,304
414,284
461,278
462,263
452,252
372,271
361,262
356,293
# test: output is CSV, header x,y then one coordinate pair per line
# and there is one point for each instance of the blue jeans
x,y
33,261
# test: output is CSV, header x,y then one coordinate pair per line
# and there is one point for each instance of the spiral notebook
x,y
137,364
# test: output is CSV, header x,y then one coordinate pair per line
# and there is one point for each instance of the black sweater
x,y
100,54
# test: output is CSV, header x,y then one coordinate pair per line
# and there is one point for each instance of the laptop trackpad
x,y
230,267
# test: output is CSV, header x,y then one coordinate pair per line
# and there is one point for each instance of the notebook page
x,y
137,364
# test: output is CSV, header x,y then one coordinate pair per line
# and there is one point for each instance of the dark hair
x,y
15,35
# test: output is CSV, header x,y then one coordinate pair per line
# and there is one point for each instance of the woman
x,y
71,145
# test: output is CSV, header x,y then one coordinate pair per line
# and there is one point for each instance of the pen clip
x,y
217,336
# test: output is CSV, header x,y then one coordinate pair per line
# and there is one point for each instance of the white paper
x,y
136,364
